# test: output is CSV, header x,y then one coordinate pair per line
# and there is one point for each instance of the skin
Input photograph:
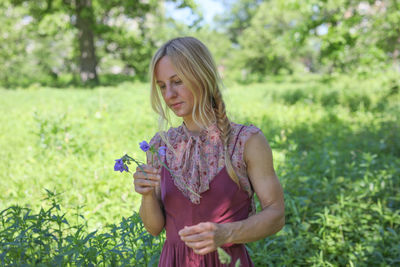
x,y
206,237
174,91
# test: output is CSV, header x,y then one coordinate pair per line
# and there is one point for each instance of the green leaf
x,y
223,256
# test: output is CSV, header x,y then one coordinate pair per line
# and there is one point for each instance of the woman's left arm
x,y
258,158
206,237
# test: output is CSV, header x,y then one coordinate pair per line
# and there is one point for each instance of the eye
x,y
162,87
177,82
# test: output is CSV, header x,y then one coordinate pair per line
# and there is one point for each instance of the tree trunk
x,y
84,23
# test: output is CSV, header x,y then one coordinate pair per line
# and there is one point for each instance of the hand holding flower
x,y
146,176
146,179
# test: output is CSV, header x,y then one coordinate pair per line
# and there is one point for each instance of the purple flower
x,y
144,146
162,150
120,166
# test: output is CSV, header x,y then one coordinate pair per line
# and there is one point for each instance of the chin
x,y
181,113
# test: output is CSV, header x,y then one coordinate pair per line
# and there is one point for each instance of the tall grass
x,y
336,144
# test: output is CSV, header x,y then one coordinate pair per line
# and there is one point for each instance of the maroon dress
x,y
224,202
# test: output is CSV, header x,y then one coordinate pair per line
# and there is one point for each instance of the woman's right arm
x,y
147,183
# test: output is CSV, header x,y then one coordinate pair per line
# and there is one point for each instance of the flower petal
x,y
144,146
162,150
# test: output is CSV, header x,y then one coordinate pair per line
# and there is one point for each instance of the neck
x,y
192,126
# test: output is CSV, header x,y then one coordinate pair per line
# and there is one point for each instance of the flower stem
x,y
173,177
137,163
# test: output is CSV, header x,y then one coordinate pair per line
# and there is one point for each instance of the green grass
x,y
336,145
66,141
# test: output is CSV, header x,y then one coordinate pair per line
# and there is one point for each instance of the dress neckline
x,y
211,129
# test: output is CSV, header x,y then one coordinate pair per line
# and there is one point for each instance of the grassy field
x,y
336,145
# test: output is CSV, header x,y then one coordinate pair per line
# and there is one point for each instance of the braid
x,y
225,128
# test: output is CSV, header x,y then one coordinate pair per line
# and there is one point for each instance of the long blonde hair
x,y
196,67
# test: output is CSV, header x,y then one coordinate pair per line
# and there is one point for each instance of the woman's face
x,y
176,95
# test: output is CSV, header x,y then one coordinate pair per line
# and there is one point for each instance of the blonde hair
x,y
197,70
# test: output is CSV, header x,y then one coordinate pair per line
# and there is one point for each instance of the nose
x,y
170,91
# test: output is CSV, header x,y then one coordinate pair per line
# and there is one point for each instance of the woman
x,y
205,196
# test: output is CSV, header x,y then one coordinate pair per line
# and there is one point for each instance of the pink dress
x,y
223,201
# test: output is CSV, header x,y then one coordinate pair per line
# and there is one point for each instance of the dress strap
x,y
237,137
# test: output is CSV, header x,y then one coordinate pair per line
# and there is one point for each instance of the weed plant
x,y
49,239
336,145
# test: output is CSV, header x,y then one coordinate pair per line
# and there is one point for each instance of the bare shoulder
x,y
257,151
260,169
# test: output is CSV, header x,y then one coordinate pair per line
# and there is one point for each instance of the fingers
x,y
198,237
198,228
144,190
145,187
203,247
146,178
146,183
147,168
147,172
204,251
201,237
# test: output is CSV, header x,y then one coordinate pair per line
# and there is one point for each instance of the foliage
x,y
335,139
338,160
225,258
49,239
49,40
239,18
40,40
266,43
313,36
27,53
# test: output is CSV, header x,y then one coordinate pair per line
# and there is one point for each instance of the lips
x,y
176,105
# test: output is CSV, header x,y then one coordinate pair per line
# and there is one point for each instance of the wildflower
x,y
144,146
162,150
120,165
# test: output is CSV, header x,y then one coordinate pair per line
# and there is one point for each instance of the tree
x,y
101,23
324,36
238,17
85,23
